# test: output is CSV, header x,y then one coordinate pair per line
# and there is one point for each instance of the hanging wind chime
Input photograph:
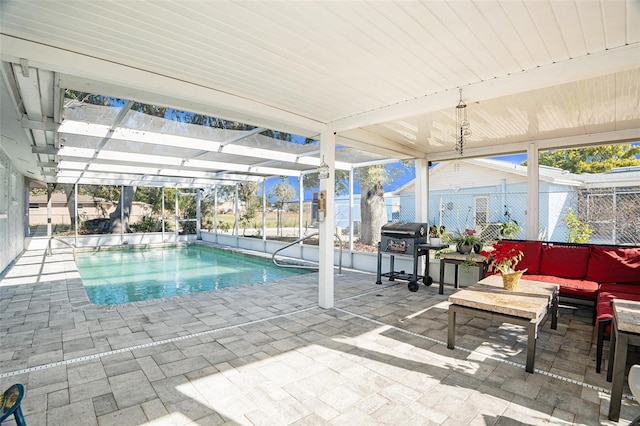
x,y
462,126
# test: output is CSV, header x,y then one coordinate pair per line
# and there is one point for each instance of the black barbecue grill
x,y
405,239
402,237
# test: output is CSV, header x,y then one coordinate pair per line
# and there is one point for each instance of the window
x,y
481,211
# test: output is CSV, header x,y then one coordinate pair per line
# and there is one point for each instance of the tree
x,y
71,202
312,181
373,212
283,192
579,231
153,197
247,194
120,216
598,159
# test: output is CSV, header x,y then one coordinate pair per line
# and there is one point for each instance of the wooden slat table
x,y
529,306
625,330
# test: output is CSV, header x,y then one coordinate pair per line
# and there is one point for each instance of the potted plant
x,y
503,258
509,228
467,241
436,234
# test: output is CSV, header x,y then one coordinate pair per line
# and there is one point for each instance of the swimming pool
x,y
130,275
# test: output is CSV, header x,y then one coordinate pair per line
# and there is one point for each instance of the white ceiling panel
x,y
615,12
383,75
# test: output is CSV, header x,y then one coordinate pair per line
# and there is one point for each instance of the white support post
x,y
327,226
264,210
25,202
533,192
177,215
75,213
163,238
351,202
198,214
300,204
215,212
236,208
49,208
121,214
422,190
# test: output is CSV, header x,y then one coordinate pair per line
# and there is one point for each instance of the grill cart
x,y
405,239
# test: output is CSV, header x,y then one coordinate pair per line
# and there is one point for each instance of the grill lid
x,y
404,229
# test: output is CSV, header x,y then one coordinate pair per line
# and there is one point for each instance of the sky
x,y
402,179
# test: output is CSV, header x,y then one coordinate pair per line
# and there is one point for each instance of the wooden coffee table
x,y
625,331
529,306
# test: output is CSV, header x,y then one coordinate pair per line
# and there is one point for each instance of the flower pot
x,y
436,241
464,248
510,281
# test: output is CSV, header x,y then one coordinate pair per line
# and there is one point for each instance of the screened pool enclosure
x,y
226,96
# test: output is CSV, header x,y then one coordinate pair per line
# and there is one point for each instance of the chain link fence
x,y
612,214
595,215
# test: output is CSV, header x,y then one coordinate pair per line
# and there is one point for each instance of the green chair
x,y
10,404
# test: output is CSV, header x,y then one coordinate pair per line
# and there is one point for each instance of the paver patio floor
x,y
266,354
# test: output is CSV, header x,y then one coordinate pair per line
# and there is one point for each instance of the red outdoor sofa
x,y
592,272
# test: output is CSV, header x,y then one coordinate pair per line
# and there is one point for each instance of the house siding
x,y
12,211
454,186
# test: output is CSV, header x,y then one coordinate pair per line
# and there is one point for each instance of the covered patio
x,y
268,355
357,83
380,78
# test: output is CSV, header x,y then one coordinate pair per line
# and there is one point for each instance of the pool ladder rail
x,y
299,240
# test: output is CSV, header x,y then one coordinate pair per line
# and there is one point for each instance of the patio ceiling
x,y
384,76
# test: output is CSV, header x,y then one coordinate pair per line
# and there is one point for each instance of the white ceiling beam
x,y
604,138
146,181
584,67
119,133
29,90
123,157
46,124
137,169
370,142
234,139
241,136
81,175
376,162
154,88
47,150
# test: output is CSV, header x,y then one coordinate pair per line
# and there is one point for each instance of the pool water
x,y
121,276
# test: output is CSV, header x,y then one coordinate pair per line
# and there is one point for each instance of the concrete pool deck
x,y
268,355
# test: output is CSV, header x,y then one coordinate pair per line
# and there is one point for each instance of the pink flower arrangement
x,y
467,237
504,257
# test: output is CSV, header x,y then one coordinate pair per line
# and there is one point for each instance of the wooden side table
x,y
458,259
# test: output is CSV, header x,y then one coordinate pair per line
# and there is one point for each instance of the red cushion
x,y
631,288
530,261
614,264
569,286
604,310
564,261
